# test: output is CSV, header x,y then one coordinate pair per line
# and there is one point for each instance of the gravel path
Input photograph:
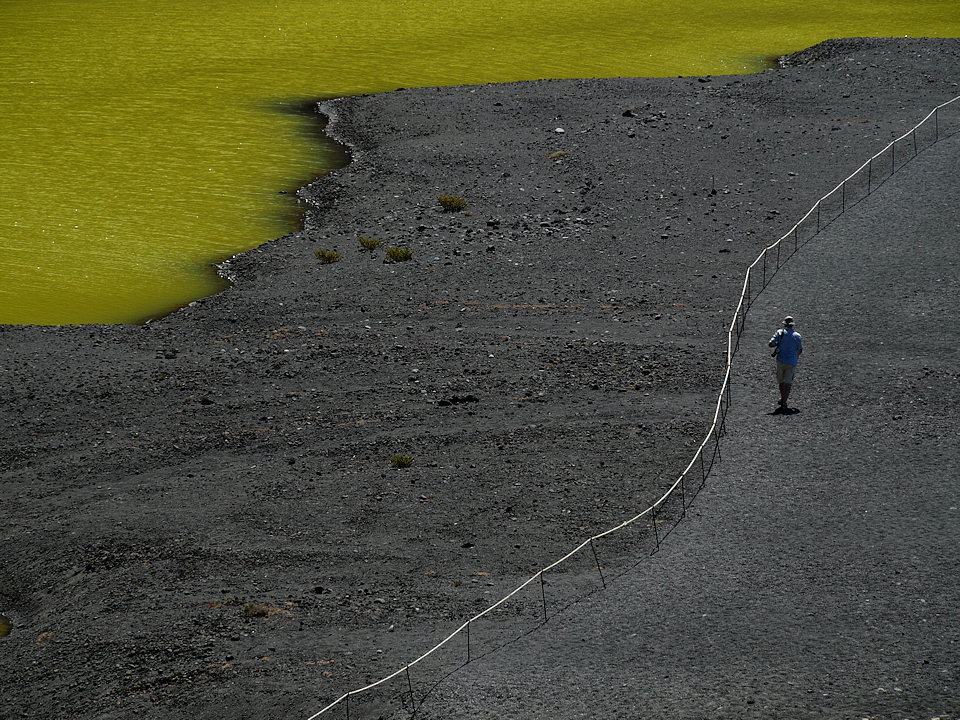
x,y
817,573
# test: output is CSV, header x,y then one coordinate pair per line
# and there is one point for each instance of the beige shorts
x,y
785,373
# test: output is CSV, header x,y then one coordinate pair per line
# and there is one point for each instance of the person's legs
x,y
785,380
784,393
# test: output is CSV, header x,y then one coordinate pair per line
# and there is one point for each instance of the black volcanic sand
x,y
201,518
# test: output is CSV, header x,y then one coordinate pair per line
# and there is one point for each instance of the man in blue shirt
x,y
788,346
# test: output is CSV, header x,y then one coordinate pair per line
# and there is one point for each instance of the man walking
x,y
788,346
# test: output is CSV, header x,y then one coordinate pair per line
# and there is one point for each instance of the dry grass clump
x,y
327,256
370,244
451,203
399,254
262,610
401,461
255,609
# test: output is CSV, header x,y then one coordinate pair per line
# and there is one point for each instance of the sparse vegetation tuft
x,y
399,254
255,609
451,203
327,256
370,244
401,461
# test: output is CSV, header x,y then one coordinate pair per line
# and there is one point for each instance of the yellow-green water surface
x,y
140,142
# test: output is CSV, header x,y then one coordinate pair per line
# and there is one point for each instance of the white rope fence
x,y
943,121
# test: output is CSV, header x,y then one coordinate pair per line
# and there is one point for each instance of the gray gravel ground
x,y
817,574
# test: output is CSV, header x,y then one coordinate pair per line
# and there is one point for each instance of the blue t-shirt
x,y
790,345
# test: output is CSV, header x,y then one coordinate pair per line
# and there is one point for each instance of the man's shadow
x,y
785,411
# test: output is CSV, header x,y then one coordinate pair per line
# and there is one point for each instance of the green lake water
x,y
140,142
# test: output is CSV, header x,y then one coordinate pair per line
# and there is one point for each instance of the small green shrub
x,y
557,155
327,256
370,244
399,254
450,203
401,461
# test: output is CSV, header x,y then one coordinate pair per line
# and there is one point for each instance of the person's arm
x,y
773,340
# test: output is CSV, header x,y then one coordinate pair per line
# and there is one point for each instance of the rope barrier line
x,y
717,425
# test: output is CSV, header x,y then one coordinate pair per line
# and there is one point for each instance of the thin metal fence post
x,y
683,494
914,133
717,445
597,561
413,701
348,706
743,327
843,197
936,125
869,176
656,530
893,157
764,268
468,641
818,215
543,594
